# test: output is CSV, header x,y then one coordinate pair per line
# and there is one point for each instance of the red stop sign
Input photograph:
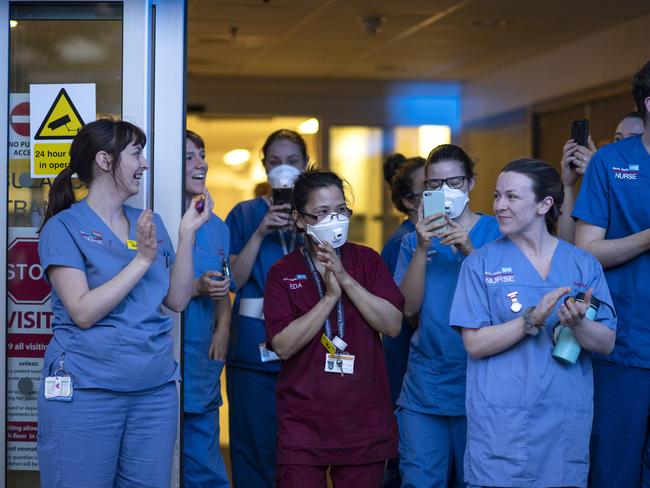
x,y
25,277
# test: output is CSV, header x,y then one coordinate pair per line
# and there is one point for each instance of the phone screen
x,y
434,202
282,196
580,131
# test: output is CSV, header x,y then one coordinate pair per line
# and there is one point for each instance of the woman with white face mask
x,y
260,234
325,306
431,405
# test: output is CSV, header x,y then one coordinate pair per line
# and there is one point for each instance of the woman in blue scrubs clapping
x,y
260,234
207,323
108,401
528,414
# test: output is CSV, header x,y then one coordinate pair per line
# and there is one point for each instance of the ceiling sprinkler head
x,y
371,24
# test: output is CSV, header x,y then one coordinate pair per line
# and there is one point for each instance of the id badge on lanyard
x,y
59,386
336,358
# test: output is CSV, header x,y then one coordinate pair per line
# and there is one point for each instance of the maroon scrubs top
x,y
323,418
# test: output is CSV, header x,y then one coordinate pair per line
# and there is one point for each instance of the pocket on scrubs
x,y
498,434
576,433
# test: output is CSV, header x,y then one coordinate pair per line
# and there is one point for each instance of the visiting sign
x,y
57,113
29,330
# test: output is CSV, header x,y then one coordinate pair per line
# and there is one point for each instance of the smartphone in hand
x,y
282,196
434,202
580,132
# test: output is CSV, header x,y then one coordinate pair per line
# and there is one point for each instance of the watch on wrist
x,y
530,327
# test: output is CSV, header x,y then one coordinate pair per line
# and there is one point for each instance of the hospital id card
x,y
266,355
339,363
58,388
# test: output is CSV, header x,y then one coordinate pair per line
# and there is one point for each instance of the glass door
x,y
56,47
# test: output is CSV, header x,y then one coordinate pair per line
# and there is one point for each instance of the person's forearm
x,y
380,314
181,282
302,330
566,225
613,252
594,337
494,339
87,307
223,314
242,264
412,286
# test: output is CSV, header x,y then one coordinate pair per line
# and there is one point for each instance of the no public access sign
x,y
26,282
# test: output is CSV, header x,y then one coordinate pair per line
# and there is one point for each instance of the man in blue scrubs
x,y
613,212
207,323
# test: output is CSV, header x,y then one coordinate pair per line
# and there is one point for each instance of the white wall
x,y
601,58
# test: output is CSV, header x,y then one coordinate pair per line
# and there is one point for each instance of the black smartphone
x,y
282,196
580,131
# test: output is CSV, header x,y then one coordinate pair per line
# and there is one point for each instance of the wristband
x,y
530,327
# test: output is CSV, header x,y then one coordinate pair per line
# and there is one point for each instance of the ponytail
x,y
61,194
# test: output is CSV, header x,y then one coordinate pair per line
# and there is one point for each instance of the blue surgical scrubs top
x,y
201,375
247,333
615,195
396,349
435,375
130,349
528,415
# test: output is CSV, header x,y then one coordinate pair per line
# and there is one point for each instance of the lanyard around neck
x,y
340,318
292,243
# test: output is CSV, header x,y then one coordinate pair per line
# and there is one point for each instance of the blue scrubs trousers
x,y
619,437
253,426
202,461
107,439
429,445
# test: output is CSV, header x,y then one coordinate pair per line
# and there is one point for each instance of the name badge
x,y
339,363
131,244
58,388
266,355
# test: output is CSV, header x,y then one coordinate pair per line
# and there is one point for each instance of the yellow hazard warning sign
x,y
57,113
62,120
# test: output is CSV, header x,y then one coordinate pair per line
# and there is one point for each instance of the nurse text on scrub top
x,y
613,212
406,180
260,234
529,414
107,408
325,306
431,413
207,324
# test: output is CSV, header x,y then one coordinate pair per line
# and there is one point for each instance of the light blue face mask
x,y
332,229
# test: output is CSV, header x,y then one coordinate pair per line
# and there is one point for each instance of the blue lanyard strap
x,y
340,318
292,243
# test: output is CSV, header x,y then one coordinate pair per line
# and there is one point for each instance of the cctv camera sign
x,y
57,113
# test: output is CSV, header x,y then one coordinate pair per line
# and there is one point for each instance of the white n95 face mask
x,y
283,176
332,229
455,201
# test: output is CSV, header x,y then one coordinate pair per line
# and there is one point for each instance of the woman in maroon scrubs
x,y
325,306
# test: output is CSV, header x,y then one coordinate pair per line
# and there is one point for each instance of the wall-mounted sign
x,y
58,112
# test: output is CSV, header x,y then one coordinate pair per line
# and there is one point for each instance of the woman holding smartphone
x,y
431,406
260,234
